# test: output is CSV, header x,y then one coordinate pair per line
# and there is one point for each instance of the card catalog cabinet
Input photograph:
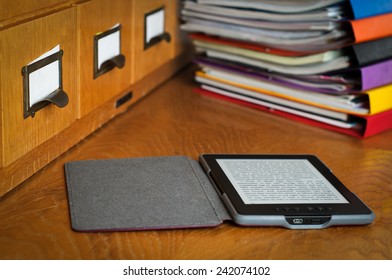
x,y
21,45
69,66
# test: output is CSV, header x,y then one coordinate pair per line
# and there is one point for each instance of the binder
x,y
363,78
245,45
371,28
366,8
362,54
358,8
369,125
371,52
378,99
298,60
374,75
349,30
367,77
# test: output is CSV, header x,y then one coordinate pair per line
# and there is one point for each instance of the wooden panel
x,y
182,43
94,17
146,60
20,45
15,8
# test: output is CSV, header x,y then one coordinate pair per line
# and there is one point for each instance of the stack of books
x,y
323,62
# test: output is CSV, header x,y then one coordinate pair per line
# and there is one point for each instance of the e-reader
x,y
149,193
293,191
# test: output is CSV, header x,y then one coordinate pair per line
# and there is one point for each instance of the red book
x,y
369,125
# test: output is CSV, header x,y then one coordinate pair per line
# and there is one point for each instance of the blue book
x,y
368,8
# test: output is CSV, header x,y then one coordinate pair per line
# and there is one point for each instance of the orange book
x,y
372,28
379,99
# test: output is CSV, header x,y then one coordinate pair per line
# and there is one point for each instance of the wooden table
x,y
172,120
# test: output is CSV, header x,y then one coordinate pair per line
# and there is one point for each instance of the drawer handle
x,y
58,98
155,40
117,61
163,37
53,95
112,57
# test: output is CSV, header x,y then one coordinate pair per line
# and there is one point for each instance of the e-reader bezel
x,y
354,206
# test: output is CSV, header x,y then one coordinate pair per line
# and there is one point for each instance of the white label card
x,y
279,181
155,25
108,46
45,80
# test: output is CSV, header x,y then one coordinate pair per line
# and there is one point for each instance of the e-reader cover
x,y
141,194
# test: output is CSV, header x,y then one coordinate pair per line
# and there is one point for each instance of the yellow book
x,y
380,99
364,104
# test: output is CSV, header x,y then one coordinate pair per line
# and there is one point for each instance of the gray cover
x,y
141,194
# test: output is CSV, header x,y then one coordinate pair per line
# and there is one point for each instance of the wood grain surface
x,y
93,18
20,45
147,60
34,217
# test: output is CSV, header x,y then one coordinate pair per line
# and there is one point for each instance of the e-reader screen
x,y
279,181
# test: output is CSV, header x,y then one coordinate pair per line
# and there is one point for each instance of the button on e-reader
x,y
287,209
318,209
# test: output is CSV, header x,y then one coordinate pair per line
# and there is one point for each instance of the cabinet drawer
x,y
154,35
106,48
21,45
15,8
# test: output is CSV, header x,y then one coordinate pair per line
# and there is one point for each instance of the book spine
x,y
378,123
373,51
372,28
368,8
376,75
380,99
